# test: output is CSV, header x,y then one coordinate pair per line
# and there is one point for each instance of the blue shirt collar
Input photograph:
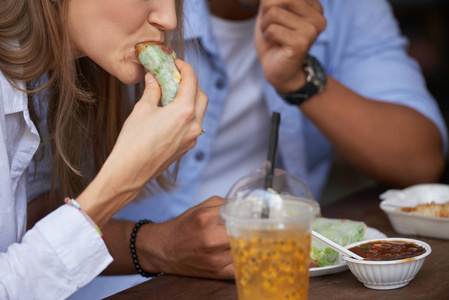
x,y
197,25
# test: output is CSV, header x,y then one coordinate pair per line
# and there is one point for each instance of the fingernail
x,y
149,78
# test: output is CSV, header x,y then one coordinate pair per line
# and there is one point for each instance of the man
x,y
368,101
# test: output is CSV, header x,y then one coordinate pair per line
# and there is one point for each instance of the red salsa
x,y
388,250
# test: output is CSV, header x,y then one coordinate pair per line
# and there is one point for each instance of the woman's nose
x,y
164,17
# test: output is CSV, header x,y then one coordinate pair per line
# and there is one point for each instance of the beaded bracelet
x,y
72,202
133,249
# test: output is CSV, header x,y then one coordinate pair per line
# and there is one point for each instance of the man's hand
x,y
285,30
193,244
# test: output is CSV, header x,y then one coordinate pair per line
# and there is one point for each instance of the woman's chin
x,y
132,77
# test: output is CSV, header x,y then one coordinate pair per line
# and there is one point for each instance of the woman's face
x,y
107,31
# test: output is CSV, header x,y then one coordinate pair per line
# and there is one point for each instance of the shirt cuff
x,y
77,243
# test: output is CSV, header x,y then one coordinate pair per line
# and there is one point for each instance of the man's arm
x,y
391,143
117,235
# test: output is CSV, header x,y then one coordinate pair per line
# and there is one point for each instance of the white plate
x,y
371,233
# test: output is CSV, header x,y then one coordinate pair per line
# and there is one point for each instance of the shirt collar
x,y
13,99
197,25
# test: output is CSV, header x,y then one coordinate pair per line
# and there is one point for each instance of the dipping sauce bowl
x,y
391,263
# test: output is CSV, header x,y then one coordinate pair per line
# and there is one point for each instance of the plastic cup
x,y
270,253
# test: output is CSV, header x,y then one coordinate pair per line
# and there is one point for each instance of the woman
x,y
72,53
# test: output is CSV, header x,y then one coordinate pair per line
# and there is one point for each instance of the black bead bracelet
x,y
133,249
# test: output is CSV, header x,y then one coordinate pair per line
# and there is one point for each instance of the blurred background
x,y
426,24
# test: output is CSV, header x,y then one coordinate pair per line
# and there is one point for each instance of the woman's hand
x,y
152,138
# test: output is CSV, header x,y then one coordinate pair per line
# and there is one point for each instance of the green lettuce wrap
x,y
341,231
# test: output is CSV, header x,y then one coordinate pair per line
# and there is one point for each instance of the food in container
x,y
408,210
429,209
388,250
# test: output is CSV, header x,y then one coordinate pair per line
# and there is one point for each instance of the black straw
x,y
272,147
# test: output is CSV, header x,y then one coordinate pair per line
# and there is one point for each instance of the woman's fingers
x,y
201,107
192,94
152,91
153,137
189,82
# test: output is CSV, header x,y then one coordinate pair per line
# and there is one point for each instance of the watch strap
x,y
300,96
315,82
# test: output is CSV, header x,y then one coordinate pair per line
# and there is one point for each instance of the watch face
x,y
319,71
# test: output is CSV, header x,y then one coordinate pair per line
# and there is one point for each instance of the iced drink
x,y
271,255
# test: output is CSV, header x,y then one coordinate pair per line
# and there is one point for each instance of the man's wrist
x,y
294,84
315,82
146,248
133,248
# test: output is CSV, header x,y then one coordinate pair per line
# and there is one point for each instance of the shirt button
x,y
199,156
220,83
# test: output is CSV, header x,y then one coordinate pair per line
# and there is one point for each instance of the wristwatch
x,y
315,82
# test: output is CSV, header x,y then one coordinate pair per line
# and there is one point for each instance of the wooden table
x,y
431,282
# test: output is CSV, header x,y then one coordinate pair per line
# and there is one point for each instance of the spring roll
x,y
341,231
159,60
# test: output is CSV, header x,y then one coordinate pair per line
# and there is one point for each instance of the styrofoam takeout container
x,y
415,224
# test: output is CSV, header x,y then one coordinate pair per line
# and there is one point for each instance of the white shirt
x,y
63,252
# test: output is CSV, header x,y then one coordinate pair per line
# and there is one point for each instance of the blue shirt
x,y
361,47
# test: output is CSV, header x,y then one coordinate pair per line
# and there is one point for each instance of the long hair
x,y
86,106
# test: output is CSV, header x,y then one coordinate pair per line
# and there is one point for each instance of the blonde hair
x,y
86,106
